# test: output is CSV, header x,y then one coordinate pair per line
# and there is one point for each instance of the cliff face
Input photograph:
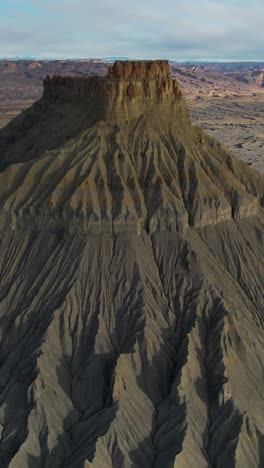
x,y
131,293
129,89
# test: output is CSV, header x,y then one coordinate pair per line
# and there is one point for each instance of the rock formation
x,y
131,294
260,79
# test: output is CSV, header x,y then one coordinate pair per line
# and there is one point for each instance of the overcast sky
x,y
180,30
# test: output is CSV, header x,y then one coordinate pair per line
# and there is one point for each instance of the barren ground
x,y
236,121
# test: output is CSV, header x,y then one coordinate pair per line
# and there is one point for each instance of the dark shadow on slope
x,y
92,383
20,345
47,125
261,448
224,419
171,435
39,462
170,426
91,395
88,425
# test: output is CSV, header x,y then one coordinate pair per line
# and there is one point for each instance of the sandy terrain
x,y
236,121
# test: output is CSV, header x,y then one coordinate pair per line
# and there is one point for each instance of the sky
x,y
223,30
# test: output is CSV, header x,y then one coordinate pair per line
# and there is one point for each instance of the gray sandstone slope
x,y
131,293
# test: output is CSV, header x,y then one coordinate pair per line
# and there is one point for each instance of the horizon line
x,y
113,58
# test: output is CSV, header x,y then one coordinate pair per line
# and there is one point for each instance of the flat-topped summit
x,y
129,90
138,69
130,70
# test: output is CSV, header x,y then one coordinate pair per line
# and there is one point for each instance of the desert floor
x,y
236,121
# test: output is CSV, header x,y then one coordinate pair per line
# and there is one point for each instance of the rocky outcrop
x,y
121,156
131,292
143,70
260,79
129,89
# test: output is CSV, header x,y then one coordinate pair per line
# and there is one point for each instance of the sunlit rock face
x,y
131,293
129,90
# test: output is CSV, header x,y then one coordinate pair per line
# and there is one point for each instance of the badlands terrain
x,y
226,99
131,293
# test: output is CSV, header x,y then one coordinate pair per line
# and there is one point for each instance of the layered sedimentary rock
x,y
115,152
131,88
131,293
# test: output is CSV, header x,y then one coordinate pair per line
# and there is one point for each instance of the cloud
x,y
188,30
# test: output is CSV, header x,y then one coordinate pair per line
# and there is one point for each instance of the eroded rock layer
x,y
131,293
